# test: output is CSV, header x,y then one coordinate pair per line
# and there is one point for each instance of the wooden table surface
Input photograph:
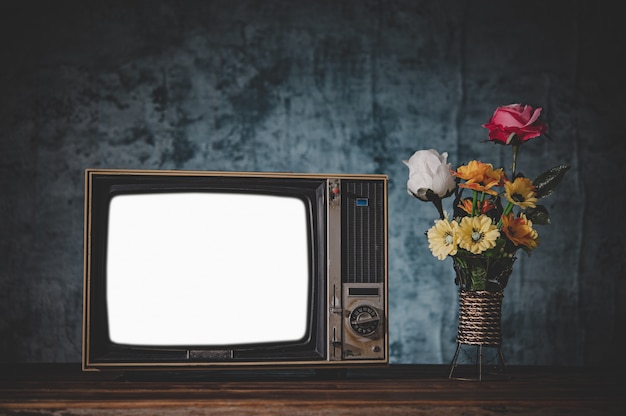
x,y
63,389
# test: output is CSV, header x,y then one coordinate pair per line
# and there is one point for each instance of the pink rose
x,y
515,121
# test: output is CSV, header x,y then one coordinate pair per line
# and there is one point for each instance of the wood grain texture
x,y
397,390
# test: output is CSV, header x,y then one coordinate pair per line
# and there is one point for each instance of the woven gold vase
x,y
480,315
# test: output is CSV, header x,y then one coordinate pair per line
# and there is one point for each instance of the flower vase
x,y
481,283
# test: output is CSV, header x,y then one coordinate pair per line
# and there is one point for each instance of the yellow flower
x,y
480,176
520,192
442,239
520,231
477,234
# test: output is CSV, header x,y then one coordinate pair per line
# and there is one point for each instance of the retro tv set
x,y
198,270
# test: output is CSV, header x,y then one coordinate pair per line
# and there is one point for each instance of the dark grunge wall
x,y
326,86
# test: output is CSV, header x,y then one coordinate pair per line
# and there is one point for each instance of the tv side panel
x,y
358,285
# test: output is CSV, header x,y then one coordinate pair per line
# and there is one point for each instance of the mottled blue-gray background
x,y
326,86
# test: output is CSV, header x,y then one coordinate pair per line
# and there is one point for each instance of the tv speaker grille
x,y
363,238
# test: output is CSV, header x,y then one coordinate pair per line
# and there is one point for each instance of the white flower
x,y
428,170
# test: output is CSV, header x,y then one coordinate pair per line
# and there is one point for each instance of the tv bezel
x,y
311,352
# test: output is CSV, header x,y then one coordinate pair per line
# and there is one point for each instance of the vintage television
x,y
198,270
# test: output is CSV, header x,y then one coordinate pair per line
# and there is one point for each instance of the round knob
x,y
364,320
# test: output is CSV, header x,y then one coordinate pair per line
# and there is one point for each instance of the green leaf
x,y
495,251
538,215
548,180
479,278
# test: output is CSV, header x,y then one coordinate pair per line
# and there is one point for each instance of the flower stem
x,y
507,209
514,164
474,202
437,201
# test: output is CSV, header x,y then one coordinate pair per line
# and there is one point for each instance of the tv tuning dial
x,y
364,320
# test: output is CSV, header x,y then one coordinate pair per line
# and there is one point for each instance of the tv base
x,y
233,375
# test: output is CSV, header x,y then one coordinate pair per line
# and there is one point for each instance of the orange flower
x,y
520,231
479,187
479,176
466,205
473,171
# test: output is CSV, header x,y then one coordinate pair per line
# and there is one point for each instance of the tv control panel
x,y
357,271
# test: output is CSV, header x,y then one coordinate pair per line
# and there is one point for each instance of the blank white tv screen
x,y
207,269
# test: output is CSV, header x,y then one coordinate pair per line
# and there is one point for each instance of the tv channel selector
x,y
364,320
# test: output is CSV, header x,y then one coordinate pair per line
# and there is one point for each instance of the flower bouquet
x,y
494,212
